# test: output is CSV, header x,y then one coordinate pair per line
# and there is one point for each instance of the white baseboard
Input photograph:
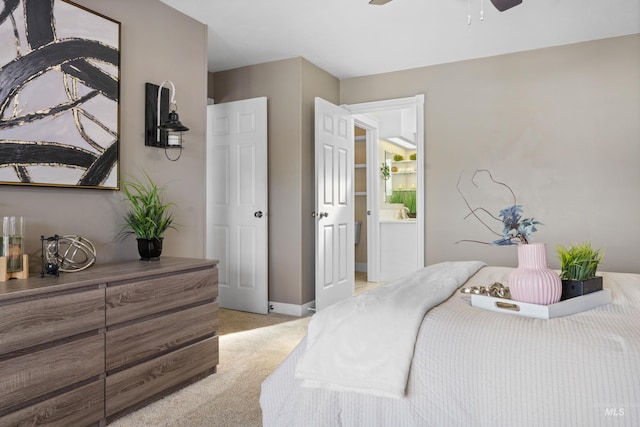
x,y
291,309
361,266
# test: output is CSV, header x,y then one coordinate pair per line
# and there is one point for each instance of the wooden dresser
x,y
87,347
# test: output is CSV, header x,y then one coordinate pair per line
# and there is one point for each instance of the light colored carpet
x,y
251,347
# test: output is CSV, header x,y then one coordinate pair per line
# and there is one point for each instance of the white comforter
x,y
474,367
365,343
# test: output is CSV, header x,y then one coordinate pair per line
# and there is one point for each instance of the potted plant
x,y
410,202
407,198
579,263
398,157
148,217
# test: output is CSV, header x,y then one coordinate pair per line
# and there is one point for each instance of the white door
x,y
237,202
335,238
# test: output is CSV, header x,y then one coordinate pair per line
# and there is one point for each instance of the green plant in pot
x,y
579,263
148,216
410,202
407,198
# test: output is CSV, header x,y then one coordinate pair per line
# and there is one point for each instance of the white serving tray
x,y
559,309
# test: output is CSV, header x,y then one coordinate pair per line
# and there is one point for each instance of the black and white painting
x,y
59,95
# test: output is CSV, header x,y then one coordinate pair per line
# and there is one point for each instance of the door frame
x,y
373,230
370,125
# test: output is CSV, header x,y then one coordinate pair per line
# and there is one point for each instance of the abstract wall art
x,y
59,95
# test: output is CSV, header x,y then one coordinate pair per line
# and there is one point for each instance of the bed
x,y
474,367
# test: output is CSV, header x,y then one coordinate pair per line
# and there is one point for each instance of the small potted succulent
x,y
148,216
579,263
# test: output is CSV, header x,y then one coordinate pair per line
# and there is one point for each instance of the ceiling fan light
x,y
503,5
379,2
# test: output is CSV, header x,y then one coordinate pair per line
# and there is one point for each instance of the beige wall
x,y
560,126
289,86
149,53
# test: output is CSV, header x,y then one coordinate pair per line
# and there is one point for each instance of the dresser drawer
x,y
79,407
150,379
142,340
35,374
142,298
38,321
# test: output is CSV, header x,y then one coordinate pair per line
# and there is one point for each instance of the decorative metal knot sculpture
x,y
497,290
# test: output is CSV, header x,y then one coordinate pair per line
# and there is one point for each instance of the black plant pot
x,y
576,288
150,249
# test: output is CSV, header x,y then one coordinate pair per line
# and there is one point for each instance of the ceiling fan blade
x,y
503,5
379,2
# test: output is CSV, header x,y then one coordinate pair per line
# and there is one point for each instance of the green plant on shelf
x,y
398,158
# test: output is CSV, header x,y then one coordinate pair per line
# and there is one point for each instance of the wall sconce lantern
x,y
163,130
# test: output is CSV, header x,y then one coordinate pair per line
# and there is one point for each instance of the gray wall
x,y
154,38
560,125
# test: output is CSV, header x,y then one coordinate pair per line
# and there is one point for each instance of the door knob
x,y
323,215
258,214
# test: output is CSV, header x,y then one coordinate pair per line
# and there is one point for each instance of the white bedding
x,y
473,367
365,343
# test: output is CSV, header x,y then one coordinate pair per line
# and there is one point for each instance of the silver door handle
x,y
258,214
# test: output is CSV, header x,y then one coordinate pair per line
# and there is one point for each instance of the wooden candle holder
x,y
23,274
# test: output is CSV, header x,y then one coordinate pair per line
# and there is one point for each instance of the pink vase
x,y
533,281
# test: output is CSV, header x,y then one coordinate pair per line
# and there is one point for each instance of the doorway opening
x,y
388,188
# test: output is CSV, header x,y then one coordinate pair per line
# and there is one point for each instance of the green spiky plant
x,y
410,201
579,262
148,217
407,198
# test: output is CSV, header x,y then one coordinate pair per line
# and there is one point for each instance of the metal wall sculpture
x,y
59,95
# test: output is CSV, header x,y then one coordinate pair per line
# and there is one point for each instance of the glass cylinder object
x,y
11,243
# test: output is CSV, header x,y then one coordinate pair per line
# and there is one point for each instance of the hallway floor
x,y
362,285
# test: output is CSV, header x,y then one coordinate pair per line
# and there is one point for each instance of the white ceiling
x,y
350,38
